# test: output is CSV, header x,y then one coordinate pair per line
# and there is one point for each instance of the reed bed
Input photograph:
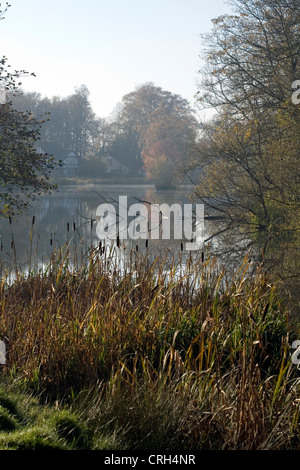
x,y
161,354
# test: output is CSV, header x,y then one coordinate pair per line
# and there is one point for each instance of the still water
x,y
68,217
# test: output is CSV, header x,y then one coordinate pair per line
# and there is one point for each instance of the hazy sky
x,y
109,45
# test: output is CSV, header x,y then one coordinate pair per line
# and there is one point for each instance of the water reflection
x,y
69,217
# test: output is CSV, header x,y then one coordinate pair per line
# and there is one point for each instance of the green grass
x,y
28,424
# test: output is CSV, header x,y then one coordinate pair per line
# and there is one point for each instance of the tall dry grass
x,y
164,354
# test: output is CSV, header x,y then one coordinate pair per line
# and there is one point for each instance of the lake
x,y
68,216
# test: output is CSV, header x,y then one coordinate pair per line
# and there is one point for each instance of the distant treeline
x,y
150,129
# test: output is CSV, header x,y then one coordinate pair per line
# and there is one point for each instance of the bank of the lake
x,y
142,346
164,356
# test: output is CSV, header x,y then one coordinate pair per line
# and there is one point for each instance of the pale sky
x,y
111,46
